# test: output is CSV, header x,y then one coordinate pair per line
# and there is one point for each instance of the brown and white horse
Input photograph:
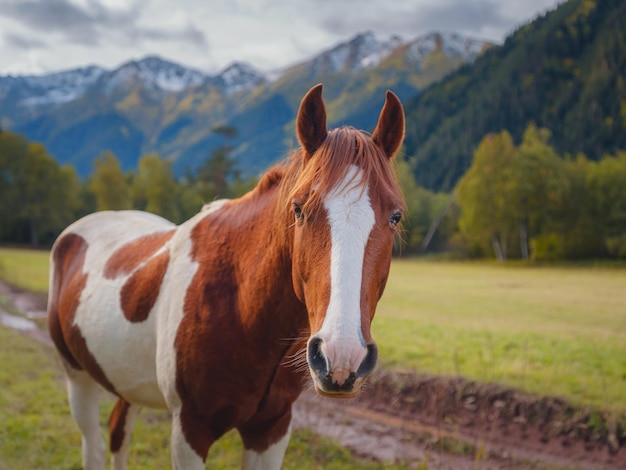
x,y
209,318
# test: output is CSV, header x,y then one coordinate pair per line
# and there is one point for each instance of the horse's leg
x,y
266,435
268,459
184,457
121,424
83,393
265,446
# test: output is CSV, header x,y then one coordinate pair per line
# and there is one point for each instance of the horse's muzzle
x,y
335,382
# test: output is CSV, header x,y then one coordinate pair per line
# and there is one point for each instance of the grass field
x,y
25,268
549,330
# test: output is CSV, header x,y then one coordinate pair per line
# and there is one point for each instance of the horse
x,y
222,319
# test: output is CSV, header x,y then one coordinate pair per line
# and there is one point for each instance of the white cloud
x,y
47,35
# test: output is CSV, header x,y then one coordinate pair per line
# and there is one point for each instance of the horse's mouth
x,y
342,395
326,387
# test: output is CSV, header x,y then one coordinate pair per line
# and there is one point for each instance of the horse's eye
x,y
297,210
395,217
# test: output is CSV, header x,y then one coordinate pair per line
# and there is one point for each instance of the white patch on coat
x,y
178,278
124,350
351,220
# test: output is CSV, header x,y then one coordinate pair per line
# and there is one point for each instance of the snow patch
x,y
239,76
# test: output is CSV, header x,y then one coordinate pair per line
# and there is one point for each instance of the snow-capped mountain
x,y
363,51
368,50
155,74
152,73
154,105
55,88
450,44
239,76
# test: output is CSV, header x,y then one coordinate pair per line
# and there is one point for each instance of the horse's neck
x,y
262,260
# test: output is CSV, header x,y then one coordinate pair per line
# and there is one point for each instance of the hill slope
x,y
565,71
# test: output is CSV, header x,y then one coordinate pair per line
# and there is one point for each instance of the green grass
x,y
38,432
25,268
548,330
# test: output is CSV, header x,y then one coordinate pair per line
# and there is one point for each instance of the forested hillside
x,y
565,71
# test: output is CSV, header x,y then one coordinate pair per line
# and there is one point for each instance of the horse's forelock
x,y
343,147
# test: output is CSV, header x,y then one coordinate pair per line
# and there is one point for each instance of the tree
x,y
539,184
154,188
578,218
219,170
483,194
109,185
37,197
417,217
606,184
426,216
12,154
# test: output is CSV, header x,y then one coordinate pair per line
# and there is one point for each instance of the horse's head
x,y
346,207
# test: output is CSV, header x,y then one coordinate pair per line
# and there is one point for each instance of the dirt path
x,y
449,423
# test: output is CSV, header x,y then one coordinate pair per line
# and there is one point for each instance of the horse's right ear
x,y
311,121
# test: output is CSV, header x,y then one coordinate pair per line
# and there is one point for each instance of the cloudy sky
x,y
39,36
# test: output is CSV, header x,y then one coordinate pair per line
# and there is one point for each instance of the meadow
x,y
555,331
558,331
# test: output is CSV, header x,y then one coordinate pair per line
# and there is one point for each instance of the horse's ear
x,y
311,121
389,132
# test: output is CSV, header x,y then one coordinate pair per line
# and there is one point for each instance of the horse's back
x,y
108,228
105,274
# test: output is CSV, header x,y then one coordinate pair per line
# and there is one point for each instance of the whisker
x,y
297,360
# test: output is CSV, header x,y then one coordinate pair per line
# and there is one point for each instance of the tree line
x,y
526,201
39,197
515,201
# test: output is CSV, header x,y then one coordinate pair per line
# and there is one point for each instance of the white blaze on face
x,y
351,220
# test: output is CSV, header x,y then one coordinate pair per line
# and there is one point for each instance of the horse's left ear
x,y
311,121
389,132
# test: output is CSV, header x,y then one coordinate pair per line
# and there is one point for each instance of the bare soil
x,y
432,422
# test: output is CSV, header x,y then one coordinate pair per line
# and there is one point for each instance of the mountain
x,y
355,74
154,74
140,107
565,71
154,105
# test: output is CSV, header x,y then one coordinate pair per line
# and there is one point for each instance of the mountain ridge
x,y
156,105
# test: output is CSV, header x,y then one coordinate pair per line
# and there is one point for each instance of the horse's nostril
x,y
315,357
368,364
